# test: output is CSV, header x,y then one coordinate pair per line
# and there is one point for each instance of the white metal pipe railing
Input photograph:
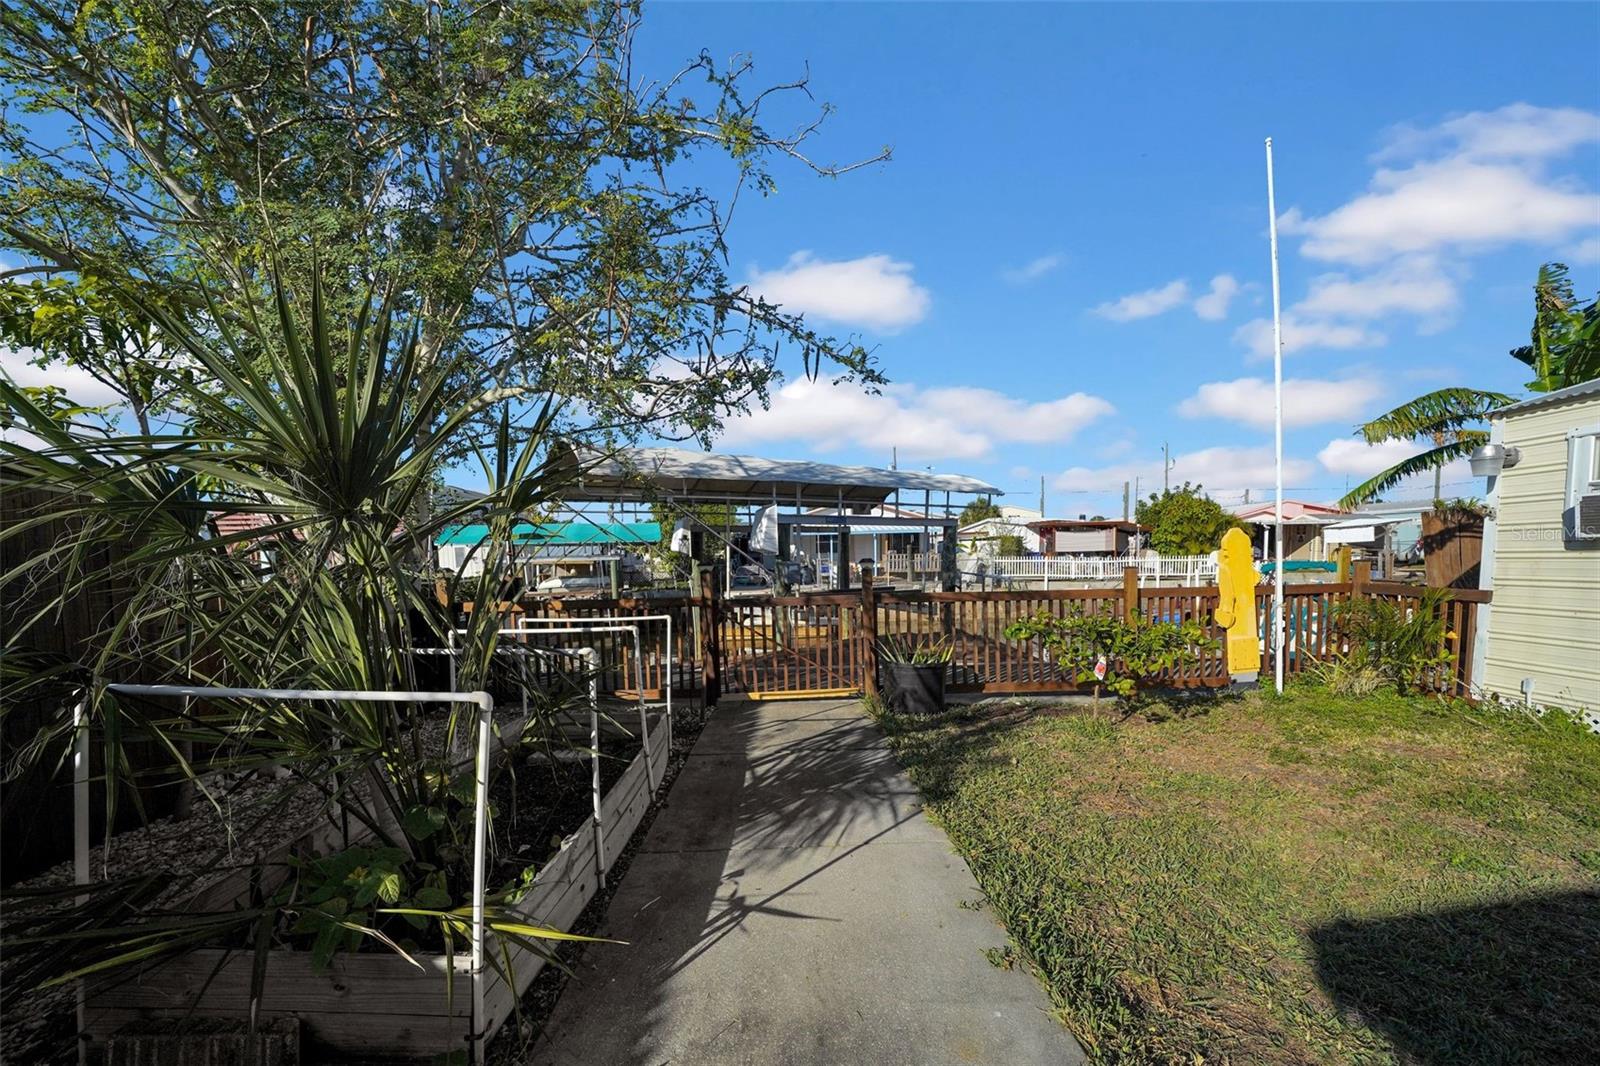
x,y
525,624
566,627
638,666
1189,569
482,700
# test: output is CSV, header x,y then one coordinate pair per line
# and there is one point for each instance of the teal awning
x,y
1301,566
633,534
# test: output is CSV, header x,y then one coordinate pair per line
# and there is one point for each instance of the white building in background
x,y
983,537
1539,639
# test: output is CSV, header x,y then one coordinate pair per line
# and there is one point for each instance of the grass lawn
x,y
1305,879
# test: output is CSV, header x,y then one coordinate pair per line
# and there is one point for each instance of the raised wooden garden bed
x,y
374,1005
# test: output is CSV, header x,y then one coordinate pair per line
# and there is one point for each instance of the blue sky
x,y
1074,222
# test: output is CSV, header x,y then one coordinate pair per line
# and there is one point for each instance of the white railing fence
x,y
1183,569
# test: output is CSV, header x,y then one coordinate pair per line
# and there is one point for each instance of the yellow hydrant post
x,y
1236,606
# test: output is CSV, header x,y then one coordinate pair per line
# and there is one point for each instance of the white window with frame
x,y
1582,513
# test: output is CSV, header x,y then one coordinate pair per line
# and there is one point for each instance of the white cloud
x,y
1471,182
1016,420
1213,305
874,291
1467,185
1411,285
1357,460
1306,401
1450,204
1146,304
1516,131
1300,334
1222,471
80,386
1033,269
1585,251
955,423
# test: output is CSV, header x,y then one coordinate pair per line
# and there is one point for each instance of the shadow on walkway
x,y
792,905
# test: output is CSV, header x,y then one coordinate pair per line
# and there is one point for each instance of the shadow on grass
x,y
1510,982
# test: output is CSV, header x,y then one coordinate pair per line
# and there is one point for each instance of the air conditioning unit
x,y
1586,518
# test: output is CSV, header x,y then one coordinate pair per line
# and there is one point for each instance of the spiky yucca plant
x,y
331,432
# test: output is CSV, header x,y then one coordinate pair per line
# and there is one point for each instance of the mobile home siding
x,y
1545,620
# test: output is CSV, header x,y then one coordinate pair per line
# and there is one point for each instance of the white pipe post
x,y
666,667
592,658
480,834
1277,429
80,836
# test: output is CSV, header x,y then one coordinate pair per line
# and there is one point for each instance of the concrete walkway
x,y
791,904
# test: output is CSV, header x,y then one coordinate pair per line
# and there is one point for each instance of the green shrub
x,y
1110,651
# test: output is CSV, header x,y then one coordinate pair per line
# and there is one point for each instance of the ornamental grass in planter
x,y
914,673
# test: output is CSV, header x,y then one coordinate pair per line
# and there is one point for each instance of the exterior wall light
x,y
1490,459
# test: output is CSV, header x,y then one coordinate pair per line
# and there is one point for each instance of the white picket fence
x,y
1181,569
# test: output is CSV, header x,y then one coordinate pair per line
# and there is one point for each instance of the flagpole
x,y
1277,429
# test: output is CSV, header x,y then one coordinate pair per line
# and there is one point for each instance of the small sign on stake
x,y
1100,668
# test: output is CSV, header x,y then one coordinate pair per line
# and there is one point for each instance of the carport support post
x,y
948,581
869,636
947,560
695,621
1130,594
710,672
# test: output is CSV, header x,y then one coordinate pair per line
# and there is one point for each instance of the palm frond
x,y
1421,463
1439,413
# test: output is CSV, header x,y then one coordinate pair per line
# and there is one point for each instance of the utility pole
x,y
1166,468
894,458
1041,495
1125,511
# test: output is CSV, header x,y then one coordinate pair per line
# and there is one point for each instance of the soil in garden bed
x,y
541,800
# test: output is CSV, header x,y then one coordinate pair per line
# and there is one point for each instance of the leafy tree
x,y
1564,350
1010,545
1564,345
1184,521
496,165
705,518
979,509
331,459
87,324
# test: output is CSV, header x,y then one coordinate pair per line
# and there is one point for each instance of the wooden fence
x,y
36,804
823,643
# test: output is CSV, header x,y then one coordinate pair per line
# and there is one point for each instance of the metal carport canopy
x,y
684,475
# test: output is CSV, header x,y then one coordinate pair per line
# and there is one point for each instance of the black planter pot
x,y
915,688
